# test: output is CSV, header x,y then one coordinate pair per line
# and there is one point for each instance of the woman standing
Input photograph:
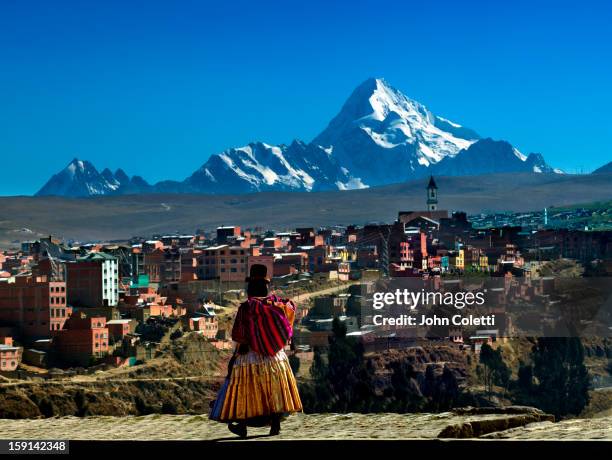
x,y
260,388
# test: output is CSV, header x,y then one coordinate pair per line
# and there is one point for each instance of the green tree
x,y
562,378
494,369
345,368
405,392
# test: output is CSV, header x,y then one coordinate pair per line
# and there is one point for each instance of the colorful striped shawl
x,y
264,324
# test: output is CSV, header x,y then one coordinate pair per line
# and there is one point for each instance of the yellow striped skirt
x,y
259,386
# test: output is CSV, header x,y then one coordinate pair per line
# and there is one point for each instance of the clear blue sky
x,y
157,87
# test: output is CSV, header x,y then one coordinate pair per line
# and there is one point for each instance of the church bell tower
x,y
432,195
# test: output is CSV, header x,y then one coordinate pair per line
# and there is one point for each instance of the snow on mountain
x,y
379,137
487,156
259,166
382,136
80,179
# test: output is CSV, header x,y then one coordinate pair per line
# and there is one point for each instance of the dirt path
x,y
306,296
77,380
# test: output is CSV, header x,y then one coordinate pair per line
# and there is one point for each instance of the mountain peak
x,y
121,176
607,168
379,136
383,136
81,178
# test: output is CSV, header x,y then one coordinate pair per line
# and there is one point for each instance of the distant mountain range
x,y
379,137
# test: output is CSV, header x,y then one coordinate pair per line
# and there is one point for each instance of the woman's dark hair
x,y
257,288
257,281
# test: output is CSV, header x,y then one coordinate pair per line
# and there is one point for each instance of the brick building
x,y
163,265
82,339
228,233
224,263
34,306
93,281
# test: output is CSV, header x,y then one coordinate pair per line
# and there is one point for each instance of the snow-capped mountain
x,y
259,166
380,136
487,156
81,178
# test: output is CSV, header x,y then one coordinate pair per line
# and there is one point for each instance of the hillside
x,y
116,217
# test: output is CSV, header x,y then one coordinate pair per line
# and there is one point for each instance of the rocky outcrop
x,y
182,379
508,417
189,395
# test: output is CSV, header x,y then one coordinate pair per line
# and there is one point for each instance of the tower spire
x,y
432,195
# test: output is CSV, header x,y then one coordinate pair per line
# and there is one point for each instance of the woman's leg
x,y
238,428
275,424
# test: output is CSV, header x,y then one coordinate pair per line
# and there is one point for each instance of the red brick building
x,y
224,263
82,339
93,281
34,306
163,265
228,233
205,325
290,263
10,356
119,328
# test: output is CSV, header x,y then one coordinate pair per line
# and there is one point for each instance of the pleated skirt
x,y
258,386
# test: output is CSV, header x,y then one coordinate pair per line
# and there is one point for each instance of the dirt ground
x,y
311,427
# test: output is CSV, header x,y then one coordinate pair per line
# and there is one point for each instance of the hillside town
x,y
72,305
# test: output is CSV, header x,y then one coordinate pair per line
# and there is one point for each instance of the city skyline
x,y
129,86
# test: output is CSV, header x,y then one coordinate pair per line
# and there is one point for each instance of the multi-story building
x,y
119,328
189,264
204,322
290,263
82,339
225,234
10,355
35,306
224,263
163,265
93,281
